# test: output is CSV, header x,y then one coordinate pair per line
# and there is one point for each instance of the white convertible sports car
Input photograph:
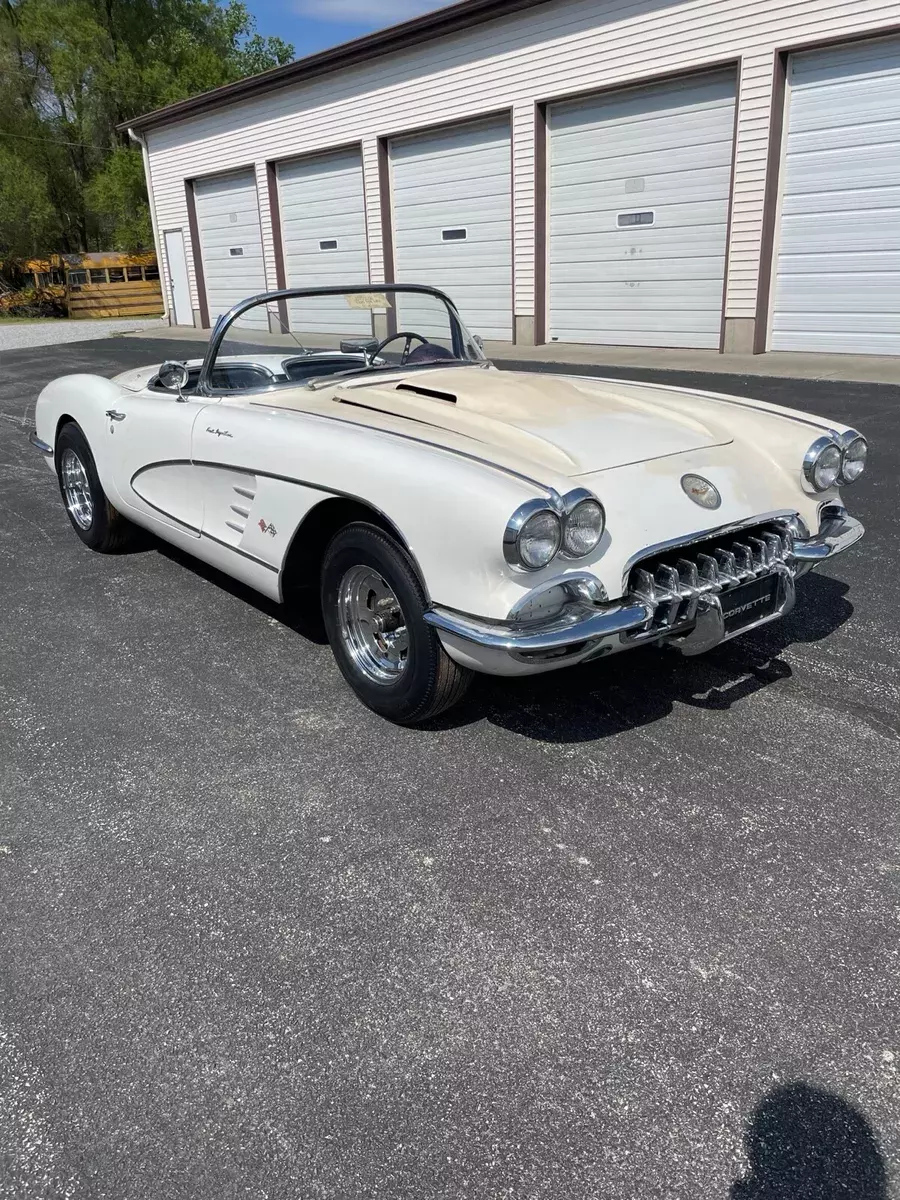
x,y
451,517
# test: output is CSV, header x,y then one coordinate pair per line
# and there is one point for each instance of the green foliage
x,y
70,70
117,196
25,209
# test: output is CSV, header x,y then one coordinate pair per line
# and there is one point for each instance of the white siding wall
x,y
550,51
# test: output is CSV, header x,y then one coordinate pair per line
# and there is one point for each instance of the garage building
x,y
718,174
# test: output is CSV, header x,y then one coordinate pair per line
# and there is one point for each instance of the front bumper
x,y
584,630
39,444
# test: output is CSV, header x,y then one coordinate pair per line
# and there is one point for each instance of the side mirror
x,y
364,346
174,377
478,340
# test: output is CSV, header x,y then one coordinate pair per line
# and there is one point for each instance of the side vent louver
x,y
241,510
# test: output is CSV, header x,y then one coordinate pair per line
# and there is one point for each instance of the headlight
x,y
822,463
853,459
584,528
533,536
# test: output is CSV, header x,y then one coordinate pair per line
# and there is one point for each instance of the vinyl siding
x,y
551,51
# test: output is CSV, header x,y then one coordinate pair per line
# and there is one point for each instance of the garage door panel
x,y
638,270
703,213
465,164
646,191
809,293
451,180
447,193
640,105
824,175
609,247
865,262
880,136
710,143
348,245
490,233
665,150
704,294
877,229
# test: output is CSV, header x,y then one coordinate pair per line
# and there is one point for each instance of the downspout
x,y
163,266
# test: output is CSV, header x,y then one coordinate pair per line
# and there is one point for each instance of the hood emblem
x,y
701,491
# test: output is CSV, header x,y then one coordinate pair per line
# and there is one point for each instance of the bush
x,y
34,302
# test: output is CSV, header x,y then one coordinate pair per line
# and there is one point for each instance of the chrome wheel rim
x,y
77,489
372,625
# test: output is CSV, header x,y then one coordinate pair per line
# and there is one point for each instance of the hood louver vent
x,y
430,393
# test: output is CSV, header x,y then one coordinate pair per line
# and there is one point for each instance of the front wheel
x,y
373,606
93,518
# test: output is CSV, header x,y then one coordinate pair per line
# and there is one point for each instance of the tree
x,y
70,70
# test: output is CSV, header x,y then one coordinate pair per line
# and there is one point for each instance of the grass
x,y
24,320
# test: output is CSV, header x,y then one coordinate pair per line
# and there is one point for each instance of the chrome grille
x,y
673,584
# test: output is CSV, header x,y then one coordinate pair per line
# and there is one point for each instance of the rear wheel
x,y
374,610
94,519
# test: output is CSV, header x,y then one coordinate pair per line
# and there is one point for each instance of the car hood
x,y
570,424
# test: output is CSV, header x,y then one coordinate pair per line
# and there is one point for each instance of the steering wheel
x,y
407,345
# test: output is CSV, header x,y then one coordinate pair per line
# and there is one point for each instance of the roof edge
x,y
430,25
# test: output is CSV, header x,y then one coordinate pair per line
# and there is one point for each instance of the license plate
x,y
749,603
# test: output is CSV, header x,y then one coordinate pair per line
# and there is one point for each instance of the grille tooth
x,y
760,553
743,556
728,570
690,583
668,587
645,585
709,572
775,545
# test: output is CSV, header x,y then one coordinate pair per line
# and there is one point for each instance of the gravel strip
x,y
16,336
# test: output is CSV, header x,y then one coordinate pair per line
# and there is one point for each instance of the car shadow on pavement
x,y
597,700
806,1143
303,617
642,686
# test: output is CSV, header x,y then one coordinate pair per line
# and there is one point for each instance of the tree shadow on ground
x,y
806,1143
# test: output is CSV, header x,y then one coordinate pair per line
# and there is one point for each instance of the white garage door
x,y
231,243
323,232
639,191
837,284
452,205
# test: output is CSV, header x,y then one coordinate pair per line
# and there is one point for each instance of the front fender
x,y
85,399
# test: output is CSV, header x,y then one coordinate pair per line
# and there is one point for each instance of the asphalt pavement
x,y
624,931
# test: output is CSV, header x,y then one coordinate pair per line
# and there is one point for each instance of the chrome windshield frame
x,y
227,319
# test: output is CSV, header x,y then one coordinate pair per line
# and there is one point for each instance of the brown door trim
x,y
730,217
277,242
387,224
540,224
770,203
194,228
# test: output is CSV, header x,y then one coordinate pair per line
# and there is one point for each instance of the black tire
x,y
108,531
430,682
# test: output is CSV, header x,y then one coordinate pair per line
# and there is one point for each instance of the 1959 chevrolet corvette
x,y
451,517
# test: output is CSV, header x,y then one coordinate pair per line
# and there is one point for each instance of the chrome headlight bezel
x,y
515,527
812,462
573,501
848,439
560,507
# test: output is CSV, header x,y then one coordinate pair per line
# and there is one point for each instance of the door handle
x,y
115,416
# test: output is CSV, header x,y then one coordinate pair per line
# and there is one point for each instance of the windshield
x,y
304,336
